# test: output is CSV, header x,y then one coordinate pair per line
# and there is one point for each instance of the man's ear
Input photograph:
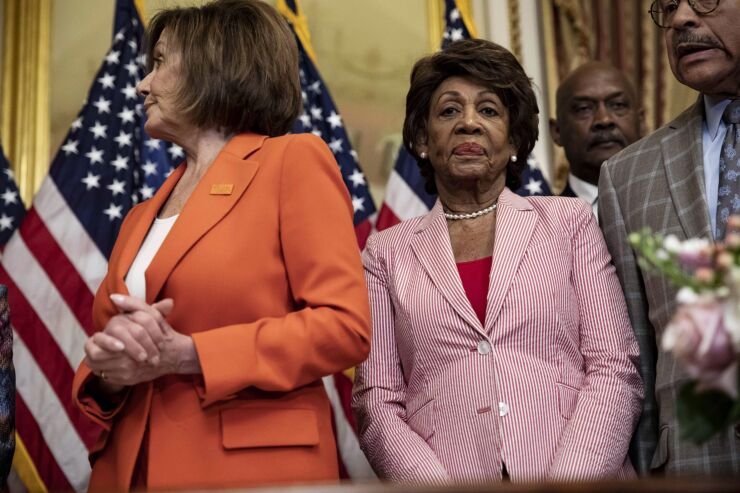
x,y
555,131
641,122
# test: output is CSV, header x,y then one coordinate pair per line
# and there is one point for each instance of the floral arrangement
x,y
704,333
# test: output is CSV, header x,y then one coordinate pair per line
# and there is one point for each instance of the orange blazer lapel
x,y
215,195
141,218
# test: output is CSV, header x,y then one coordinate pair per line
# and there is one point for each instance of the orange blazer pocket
x,y
249,427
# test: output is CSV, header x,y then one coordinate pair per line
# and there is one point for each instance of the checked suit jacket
x,y
658,183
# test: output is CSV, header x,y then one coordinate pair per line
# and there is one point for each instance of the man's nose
x,y
603,117
684,16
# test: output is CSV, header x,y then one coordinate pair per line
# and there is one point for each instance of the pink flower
x,y
733,223
695,253
697,337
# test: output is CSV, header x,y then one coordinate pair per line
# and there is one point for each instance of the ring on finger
x,y
102,375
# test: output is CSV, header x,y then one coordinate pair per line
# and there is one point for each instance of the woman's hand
x,y
176,351
138,345
141,327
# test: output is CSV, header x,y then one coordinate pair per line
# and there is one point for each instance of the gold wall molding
x,y
25,126
436,23
515,28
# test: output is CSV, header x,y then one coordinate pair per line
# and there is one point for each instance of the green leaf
x,y
703,414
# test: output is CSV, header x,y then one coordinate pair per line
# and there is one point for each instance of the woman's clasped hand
x,y
138,344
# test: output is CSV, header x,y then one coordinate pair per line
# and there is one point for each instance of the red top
x,y
474,275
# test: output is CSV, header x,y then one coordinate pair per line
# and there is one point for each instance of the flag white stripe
x,y
59,434
70,235
46,301
357,466
402,200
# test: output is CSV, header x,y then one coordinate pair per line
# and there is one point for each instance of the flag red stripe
x,y
362,231
57,266
386,218
48,356
30,433
343,384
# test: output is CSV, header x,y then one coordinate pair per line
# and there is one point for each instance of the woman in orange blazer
x,y
236,287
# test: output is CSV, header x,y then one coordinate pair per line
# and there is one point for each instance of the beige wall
x,y
81,32
365,51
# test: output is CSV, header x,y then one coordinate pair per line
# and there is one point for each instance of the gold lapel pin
x,y
222,189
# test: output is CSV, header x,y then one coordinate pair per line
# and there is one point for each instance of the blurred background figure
x,y
598,115
501,346
7,390
237,286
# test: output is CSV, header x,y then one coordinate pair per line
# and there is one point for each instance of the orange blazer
x,y
265,272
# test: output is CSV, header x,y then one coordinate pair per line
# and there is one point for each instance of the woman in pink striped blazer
x,y
501,343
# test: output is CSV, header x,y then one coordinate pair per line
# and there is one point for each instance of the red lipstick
x,y
469,149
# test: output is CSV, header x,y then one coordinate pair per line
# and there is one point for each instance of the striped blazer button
x,y
484,347
503,409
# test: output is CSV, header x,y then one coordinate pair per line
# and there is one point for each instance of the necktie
x,y
728,199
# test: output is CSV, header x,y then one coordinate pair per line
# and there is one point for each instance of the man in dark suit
x,y
598,115
682,180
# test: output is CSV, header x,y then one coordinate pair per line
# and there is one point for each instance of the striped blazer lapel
x,y
684,167
515,222
431,246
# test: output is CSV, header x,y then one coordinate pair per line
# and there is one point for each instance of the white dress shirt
x,y
586,192
713,135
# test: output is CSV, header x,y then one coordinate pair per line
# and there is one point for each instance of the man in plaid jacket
x,y
672,183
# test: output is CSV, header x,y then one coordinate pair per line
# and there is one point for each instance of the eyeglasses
x,y
662,11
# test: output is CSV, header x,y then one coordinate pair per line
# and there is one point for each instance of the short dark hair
x,y
239,63
489,65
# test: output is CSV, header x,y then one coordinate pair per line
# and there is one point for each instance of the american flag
x,y
55,261
405,196
320,117
11,206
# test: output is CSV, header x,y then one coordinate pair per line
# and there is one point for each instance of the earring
x,y
423,155
513,158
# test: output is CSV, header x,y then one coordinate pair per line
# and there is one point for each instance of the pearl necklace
x,y
453,216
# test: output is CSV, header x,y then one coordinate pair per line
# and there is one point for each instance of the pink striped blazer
x,y
549,386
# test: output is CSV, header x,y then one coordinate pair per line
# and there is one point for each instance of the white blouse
x,y
135,280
